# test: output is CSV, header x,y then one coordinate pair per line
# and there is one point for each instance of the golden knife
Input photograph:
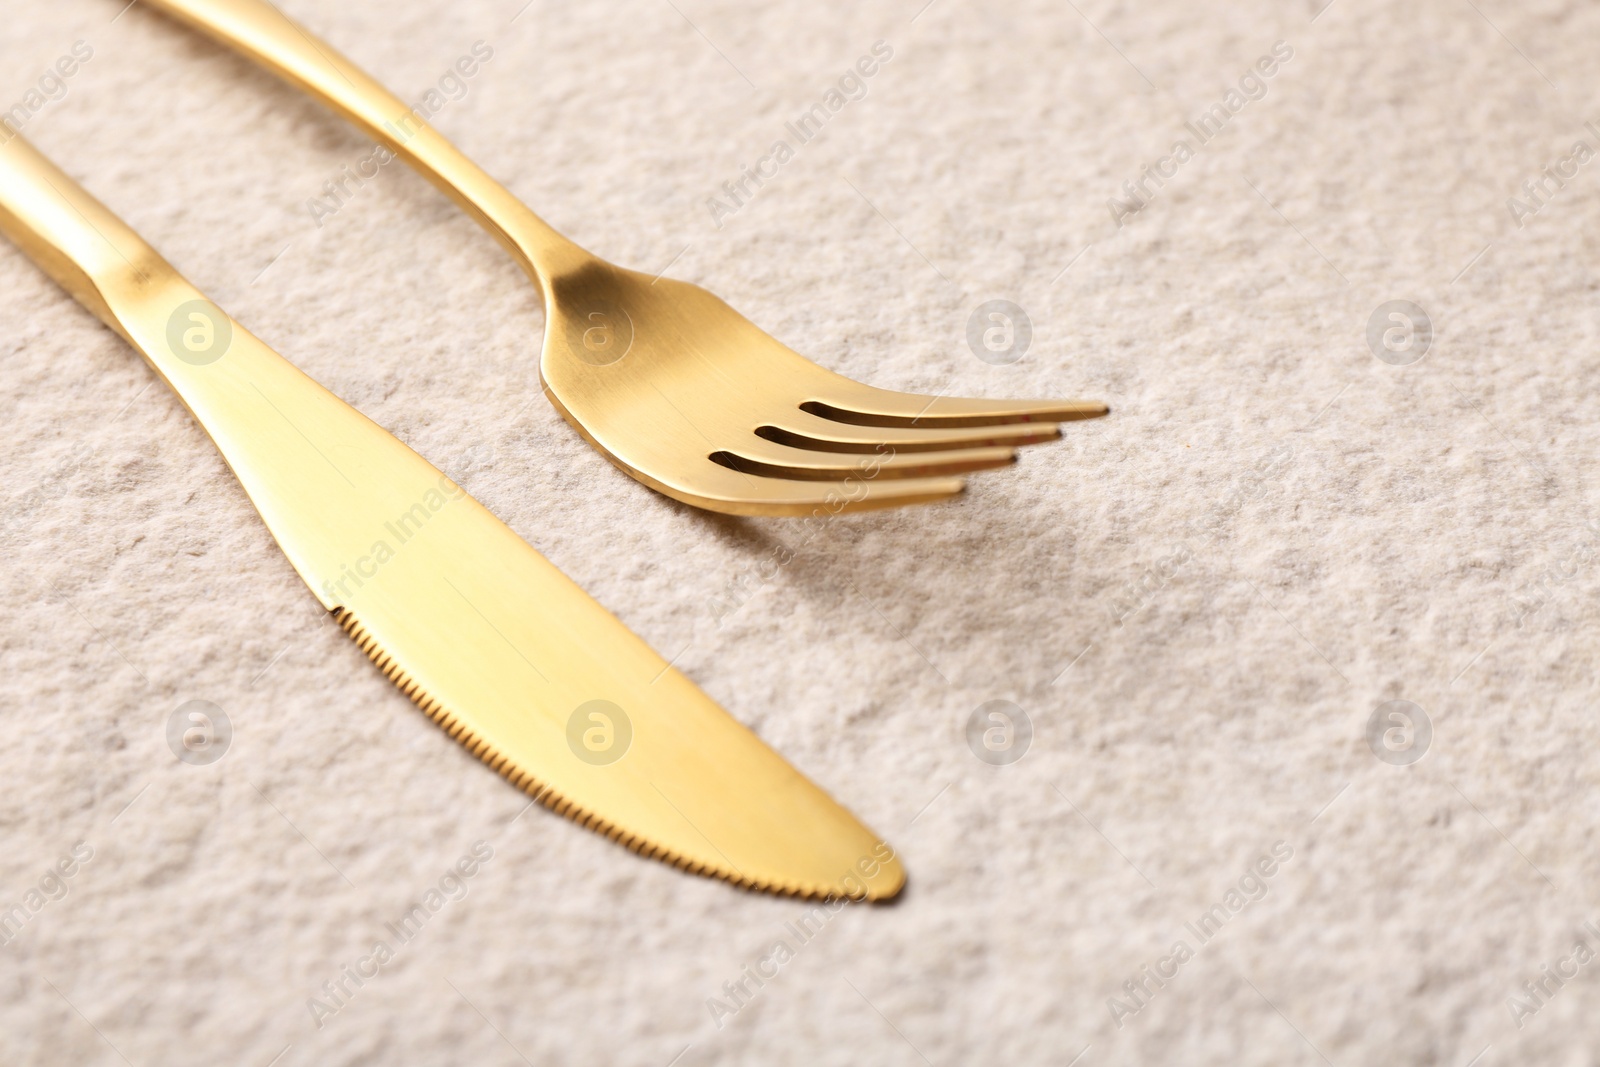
x,y
506,653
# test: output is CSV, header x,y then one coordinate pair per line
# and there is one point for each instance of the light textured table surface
x,y
1198,602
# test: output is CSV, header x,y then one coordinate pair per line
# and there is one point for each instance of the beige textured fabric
x,y
1199,602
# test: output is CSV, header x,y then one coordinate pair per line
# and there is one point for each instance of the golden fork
x,y
662,377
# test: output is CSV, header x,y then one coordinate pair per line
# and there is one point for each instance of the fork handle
x,y
259,31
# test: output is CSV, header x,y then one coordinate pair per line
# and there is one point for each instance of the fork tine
x,y
731,492
862,405
772,460
805,430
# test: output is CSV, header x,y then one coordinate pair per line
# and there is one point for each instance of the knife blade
x,y
491,640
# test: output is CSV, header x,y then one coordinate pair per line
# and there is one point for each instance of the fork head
x,y
692,399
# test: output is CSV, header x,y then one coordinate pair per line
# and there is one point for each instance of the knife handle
x,y
76,239
112,271
260,32
316,468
